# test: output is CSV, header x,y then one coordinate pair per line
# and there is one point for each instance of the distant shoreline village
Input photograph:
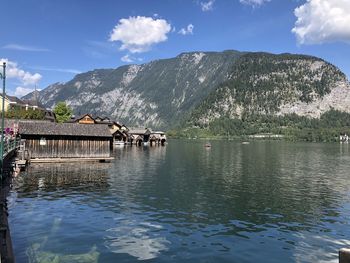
x,y
85,137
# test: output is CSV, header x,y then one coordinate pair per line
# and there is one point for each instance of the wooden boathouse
x,y
138,136
157,137
118,131
47,140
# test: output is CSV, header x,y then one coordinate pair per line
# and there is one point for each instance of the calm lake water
x,y
262,202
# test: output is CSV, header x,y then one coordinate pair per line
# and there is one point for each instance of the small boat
x,y
207,145
245,142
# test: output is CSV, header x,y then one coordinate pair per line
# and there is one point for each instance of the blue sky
x,y
50,41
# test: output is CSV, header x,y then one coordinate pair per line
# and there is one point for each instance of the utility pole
x,y
3,77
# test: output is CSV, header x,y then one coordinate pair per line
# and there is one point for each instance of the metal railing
x,y
7,146
10,145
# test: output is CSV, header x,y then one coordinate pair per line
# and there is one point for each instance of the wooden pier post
x,y
344,255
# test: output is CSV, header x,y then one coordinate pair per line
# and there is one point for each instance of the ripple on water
x,y
136,238
262,202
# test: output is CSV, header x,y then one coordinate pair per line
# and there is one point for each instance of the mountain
x,y
156,94
204,86
275,85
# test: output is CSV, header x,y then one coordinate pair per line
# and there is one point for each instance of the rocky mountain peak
x,y
205,86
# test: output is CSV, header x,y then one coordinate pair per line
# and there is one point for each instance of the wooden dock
x,y
71,160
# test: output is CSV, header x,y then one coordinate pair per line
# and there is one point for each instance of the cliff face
x,y
269,84
203,86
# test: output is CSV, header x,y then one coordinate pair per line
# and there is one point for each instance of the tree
x,y
16,112
63,112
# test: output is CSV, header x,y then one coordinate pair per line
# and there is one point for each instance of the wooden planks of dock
x,y
71,160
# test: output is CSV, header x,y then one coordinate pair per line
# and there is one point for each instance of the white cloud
x,y
25,48
207,6
254,3
138,34
21,91
187,31
126,59
321,21
13,71
28,78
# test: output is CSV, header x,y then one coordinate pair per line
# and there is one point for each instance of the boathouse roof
x,y
119,132
102,119
77,119
95,120
63,129
139,131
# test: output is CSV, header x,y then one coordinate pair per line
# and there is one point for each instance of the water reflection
x,y
48,198
139,239
53,176
133,234
263,191
308,248
287,202
135,161
257,182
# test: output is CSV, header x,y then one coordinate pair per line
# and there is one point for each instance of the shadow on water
x,y
263,201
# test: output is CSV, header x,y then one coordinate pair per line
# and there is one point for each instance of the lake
x,y
267,201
